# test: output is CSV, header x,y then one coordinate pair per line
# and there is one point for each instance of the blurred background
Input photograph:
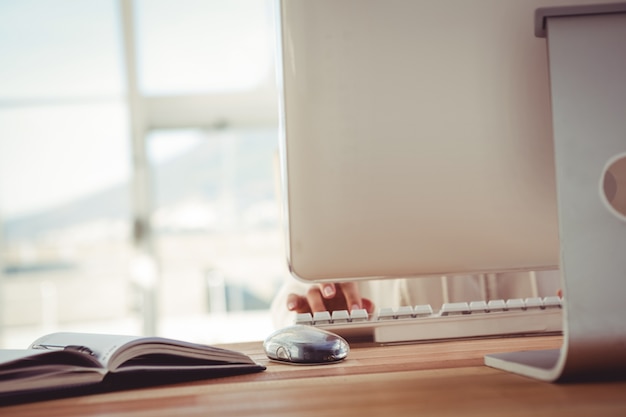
x,y
138,177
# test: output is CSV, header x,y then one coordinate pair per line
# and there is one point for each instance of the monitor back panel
x,y
417,138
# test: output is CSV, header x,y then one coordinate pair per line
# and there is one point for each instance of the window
x,y
216,230
202,99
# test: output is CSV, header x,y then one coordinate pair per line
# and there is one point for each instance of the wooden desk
x,y
443,379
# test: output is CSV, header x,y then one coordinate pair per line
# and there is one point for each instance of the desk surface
x,y
444,379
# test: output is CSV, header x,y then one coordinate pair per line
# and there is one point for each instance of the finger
x,y
328,290
352,295
315,300
368,305
297,303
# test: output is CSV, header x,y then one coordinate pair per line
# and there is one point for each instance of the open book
x,y
60,361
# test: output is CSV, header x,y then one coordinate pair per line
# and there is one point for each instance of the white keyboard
x,y
478,319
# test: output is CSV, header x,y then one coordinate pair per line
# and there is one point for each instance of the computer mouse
x,y
302,344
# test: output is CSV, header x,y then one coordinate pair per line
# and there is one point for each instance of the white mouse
x,y
301,344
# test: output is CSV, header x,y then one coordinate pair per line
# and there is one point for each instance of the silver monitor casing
x,y
417,138
587,55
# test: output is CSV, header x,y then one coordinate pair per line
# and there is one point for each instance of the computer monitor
x,y
417,138
418,141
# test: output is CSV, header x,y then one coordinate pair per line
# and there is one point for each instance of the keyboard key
x,y
452,309
404,312
533,303
304,318
359,315
515,304
552,302
478,307
422,310
496,305
386,313
321,317
340,316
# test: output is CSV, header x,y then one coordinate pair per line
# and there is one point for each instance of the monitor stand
x,y
587,59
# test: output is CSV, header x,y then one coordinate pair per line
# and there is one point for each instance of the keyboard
x,y
477,319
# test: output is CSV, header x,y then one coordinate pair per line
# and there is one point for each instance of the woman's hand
x,y
329,297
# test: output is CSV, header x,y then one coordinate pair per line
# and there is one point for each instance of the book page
x,y
100,346
136,352
162,353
